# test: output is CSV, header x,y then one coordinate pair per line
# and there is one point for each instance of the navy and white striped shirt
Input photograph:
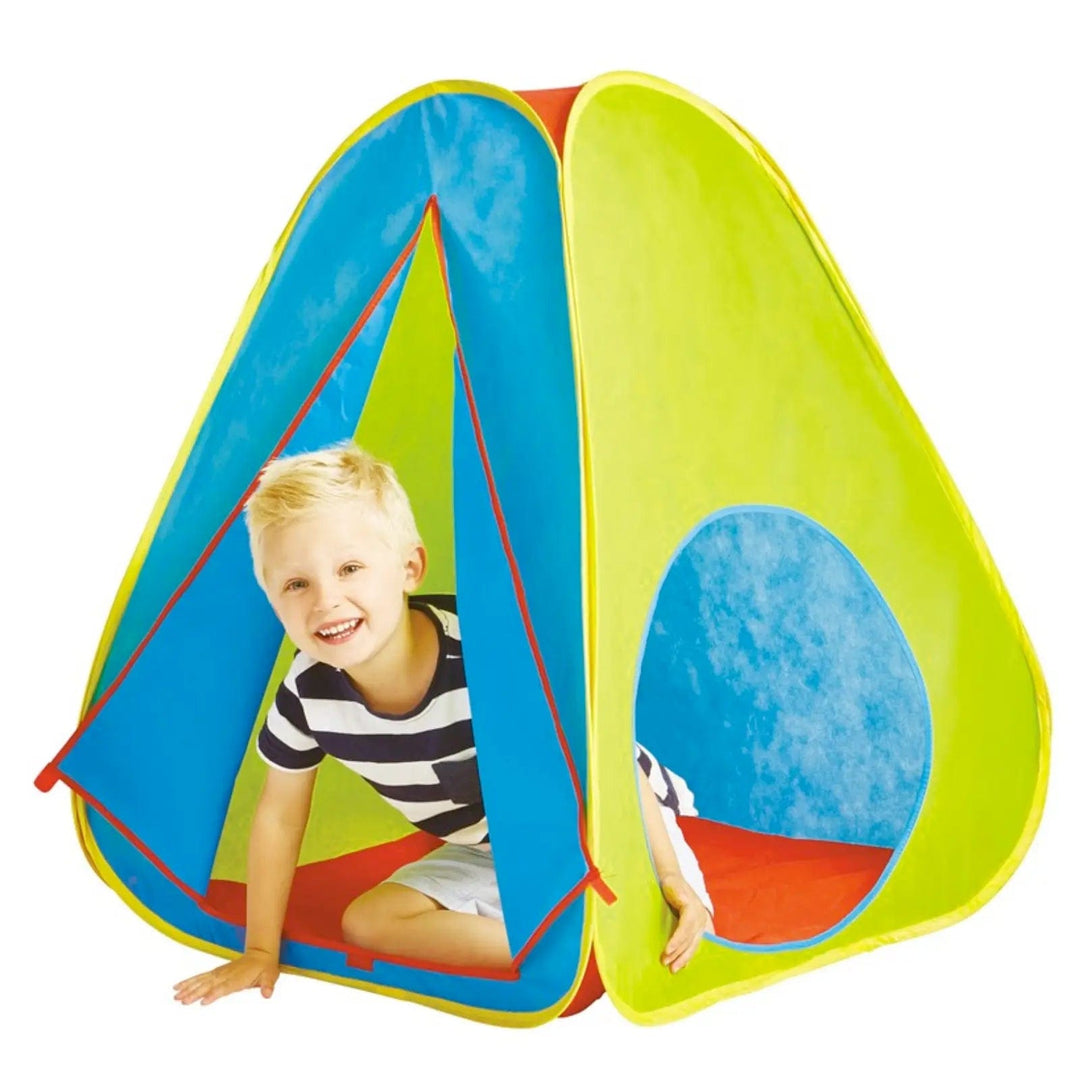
x,y
422,762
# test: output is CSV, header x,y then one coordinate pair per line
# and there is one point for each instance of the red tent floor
x,y
766,889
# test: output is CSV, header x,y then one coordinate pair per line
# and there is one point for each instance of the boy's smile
x,y
338,633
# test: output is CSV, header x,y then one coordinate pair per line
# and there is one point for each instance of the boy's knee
x,y
370,920
359,921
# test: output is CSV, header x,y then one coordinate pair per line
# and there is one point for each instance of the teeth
x,y
337,628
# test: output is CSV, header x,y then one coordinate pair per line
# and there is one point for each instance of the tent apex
x,y
553,108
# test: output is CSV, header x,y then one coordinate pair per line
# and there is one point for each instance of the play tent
x,y
654,450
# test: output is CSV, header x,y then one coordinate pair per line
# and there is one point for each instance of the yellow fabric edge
x,y
588,572
691,1005
469,1012
588,554
251,305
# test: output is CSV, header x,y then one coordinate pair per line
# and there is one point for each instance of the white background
x,y
153,153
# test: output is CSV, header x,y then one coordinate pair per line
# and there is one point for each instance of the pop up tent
x,y
654,450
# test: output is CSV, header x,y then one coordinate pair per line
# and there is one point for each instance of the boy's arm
x,y
276,834
664,858
693,915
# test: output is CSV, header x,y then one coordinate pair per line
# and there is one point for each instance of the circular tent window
x,y
776,681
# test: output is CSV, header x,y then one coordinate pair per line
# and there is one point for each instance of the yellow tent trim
x,y
469,1012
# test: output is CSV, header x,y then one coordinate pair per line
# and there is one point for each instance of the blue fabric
x,y
547,974
163,753
496,185
343,245
531,806
502,231
776,680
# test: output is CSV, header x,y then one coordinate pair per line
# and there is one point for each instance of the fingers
x,y
218,991
678,960
192,989
680,949
211,985
678,944
187,984
236,975
207,988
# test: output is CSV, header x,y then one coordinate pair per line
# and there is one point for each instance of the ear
x,y
415,567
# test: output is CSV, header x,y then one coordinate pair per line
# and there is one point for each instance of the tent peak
x,y
553,108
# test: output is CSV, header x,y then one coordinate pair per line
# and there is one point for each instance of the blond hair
x,y
292,486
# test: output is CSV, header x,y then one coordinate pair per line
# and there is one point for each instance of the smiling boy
x,y
379,683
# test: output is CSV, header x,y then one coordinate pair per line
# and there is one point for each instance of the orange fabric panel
x,y
322,891
766,889
553,107
591,988
771,889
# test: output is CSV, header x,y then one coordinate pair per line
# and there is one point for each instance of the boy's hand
x,y
694,920
251,969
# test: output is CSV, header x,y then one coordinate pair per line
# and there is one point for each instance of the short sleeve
x,y
285,740
670,788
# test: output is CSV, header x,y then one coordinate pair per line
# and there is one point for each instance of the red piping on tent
x,y
51,773
766,890
593,876
363,958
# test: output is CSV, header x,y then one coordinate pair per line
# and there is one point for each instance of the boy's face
x,y
336,585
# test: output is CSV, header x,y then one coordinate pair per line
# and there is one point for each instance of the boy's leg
x,y
401,921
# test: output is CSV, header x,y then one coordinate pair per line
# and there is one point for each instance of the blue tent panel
x,y
532,809
163,752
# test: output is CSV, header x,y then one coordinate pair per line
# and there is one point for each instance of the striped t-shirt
x,y
422,762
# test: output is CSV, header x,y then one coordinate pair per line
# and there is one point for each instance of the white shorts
x,y
461,877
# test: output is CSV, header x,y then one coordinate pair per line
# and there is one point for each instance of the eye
x,y
292,586
351,568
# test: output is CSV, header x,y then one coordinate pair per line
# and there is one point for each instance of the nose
x,y
327,596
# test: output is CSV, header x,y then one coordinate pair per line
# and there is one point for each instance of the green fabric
x,y
724,364
406,420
